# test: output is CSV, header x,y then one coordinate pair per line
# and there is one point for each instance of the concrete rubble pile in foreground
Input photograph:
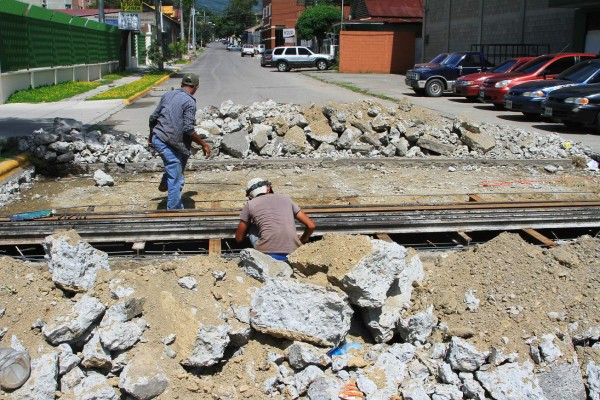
x,y
89,350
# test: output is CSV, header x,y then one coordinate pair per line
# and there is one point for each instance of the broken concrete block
x,y
325,387
304,378
103,179
511,381
463,356
73,262
95,355
300,355
480,142
43,381
562,382
94,386
72,326
209,347
418,327
593,377
236,144
301,311
121,336
66,360
261,266
143,379
432,144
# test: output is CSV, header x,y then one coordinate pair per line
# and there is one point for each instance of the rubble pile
x,y
268,129
348,314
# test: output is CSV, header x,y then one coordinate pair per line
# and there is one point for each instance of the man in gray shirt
x,y
172,133
269,220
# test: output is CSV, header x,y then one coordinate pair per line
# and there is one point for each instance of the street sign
x,y
129,21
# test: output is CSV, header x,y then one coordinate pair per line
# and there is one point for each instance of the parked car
x,y
259,48
434,61
575,105
247,50
233,47
547,66
288,57
433,81
267,58
528,97
468,85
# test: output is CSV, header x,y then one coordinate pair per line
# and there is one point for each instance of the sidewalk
x,y
21,119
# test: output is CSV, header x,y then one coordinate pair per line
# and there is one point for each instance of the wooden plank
x,y
475,197
384,236
464,238
539,237
214,246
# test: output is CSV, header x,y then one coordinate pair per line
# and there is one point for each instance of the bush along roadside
x,y
130,89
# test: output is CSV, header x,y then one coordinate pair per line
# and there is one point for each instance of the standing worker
x,y
172,133
269,220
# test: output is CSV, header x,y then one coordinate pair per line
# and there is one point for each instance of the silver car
x,y
288,57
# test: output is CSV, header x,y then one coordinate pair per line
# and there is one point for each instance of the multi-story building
x,y
499,25
277,16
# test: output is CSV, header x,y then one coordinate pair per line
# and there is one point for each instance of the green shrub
x,y
51,93
126,91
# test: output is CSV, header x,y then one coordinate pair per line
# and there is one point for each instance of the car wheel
x,y
472,98
321,65
282,66
252,54
598,122
499,106
420,92
242,54
434,88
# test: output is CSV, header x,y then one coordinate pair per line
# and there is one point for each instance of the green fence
x,y
34,37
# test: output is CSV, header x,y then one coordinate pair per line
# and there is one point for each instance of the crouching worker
x,y
269,221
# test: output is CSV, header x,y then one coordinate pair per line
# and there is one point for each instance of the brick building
x,y
278,15
557,25
380,36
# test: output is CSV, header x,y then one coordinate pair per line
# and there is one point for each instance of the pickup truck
x,y
433,81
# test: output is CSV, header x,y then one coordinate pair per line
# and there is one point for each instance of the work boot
x,y
163,187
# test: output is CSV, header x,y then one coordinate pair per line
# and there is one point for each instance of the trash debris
x,y
15,367
343,349
28,216
351,392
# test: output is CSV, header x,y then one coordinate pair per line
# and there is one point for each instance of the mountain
x,y
218,6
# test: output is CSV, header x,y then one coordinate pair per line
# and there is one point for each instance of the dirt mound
x,y
523,290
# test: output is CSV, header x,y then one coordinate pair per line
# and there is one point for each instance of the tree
x,y
316,21
237,17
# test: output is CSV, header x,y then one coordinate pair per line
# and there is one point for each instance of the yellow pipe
x,y
7,167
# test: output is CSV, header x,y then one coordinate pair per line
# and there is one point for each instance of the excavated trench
x,y
431,204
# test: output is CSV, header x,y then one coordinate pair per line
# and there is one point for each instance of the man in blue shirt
x,y
172,133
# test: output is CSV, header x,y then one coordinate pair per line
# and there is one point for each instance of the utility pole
x,y
194,28
101,11
181,24
157,18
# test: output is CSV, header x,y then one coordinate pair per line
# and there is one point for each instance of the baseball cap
x,y
257,186
15,368
190,80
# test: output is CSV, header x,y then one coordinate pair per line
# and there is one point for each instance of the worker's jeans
x,y
175,163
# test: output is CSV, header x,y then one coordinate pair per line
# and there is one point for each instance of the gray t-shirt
x,y
274,214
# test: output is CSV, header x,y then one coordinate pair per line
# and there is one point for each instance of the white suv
x,y
288,57
248,49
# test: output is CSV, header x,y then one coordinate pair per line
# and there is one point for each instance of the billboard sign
x,y
129,21
287,33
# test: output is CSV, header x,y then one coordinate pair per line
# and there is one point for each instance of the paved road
x,y
225,76
228,76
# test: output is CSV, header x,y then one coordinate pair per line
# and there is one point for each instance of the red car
x,y
468,85
547,66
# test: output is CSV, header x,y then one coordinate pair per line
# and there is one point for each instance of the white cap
x,y
257,186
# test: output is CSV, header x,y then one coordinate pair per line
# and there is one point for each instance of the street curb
x,y
8,167
136,96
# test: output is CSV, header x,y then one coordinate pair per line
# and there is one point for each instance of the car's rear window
x,y
302,51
